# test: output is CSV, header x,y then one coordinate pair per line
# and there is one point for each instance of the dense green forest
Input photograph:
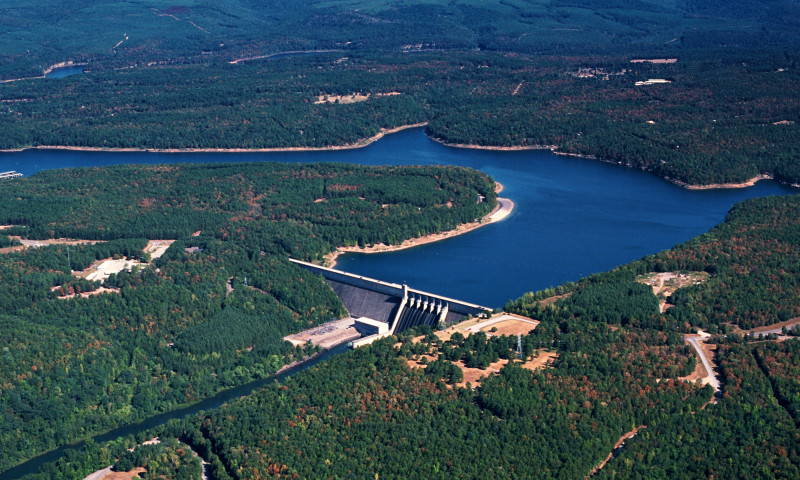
x,y
724,117
618,367
37,34
210,313
185,325
248,74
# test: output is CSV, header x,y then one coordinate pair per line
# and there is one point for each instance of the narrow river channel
x,y
32,465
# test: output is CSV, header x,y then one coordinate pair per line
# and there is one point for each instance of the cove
x,y
572,217
64,72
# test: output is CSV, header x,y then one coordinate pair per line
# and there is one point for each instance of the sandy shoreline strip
x,y
745,184
359,144
503,209
515,148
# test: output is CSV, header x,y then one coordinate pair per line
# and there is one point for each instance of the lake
x,y
64,72
573,216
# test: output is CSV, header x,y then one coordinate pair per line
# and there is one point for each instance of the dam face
x,y
399,306
363,302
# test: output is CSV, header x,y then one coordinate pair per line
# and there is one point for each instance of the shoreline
x,y
502,210
350,146
554,149
712,186
513,148
364,142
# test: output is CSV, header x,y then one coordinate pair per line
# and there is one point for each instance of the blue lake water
x,y
572,217
65,72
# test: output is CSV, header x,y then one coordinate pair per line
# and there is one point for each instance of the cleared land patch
x,y
776,328
156,248
100,270
352,98
655,60
502,324
665,283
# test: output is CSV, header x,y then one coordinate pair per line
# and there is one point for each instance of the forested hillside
x,y
185,325
700,92
617,367
187,74
719,120
38,34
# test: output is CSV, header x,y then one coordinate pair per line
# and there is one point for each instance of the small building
x,y
653,81
367,326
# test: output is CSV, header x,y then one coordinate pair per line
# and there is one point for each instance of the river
x,y
33,465
572,217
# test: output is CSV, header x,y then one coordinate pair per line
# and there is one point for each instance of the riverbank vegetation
x,y
209,313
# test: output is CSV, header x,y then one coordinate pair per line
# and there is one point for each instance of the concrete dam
x,y
398,306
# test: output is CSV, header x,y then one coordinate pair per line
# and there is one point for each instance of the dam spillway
x,y
399,306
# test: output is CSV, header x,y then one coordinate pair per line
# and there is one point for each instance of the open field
x,y
106,268
107,474
88,294
542,358
354,98
505,324
342,99
473,376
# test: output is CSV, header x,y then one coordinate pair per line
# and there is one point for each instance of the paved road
x,y
712,379
98,474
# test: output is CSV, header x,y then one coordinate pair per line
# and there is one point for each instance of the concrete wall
x,y
385,288
354,280
361,302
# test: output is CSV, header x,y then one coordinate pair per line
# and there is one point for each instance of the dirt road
x,y
712,379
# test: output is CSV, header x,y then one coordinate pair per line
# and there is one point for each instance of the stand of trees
x,y
184,326
619,364
726,116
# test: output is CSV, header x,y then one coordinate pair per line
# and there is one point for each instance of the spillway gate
x,y
399,306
